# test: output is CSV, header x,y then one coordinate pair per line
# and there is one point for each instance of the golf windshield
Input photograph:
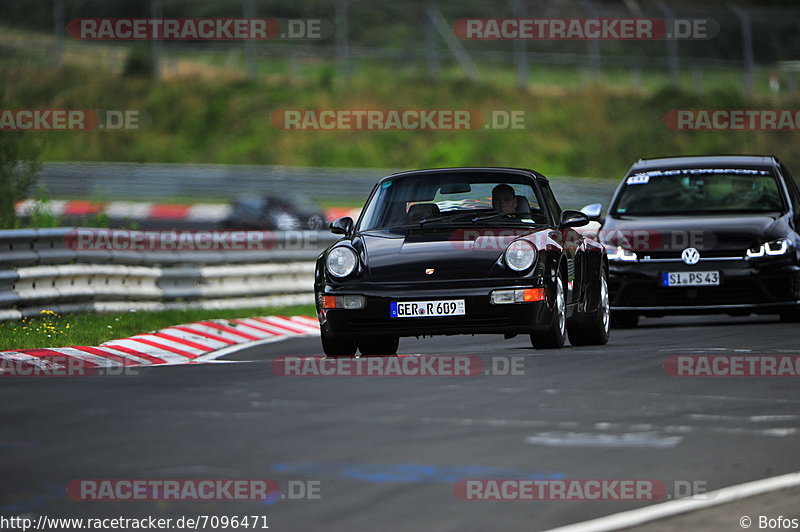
x,y
699,191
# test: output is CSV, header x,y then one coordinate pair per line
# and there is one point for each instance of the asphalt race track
x,y
386,451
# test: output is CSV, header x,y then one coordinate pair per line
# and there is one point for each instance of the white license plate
x,y
690,279
425,309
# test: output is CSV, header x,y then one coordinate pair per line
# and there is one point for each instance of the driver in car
x,y
504,200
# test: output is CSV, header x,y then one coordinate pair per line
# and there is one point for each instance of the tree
x,y
19,165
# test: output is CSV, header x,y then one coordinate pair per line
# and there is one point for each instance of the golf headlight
x,y
520,255
771,249
341,261
619,253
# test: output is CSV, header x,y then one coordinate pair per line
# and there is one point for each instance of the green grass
x,y
571,127
352,203
50,330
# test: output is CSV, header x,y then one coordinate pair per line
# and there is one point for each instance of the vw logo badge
x,y
690,256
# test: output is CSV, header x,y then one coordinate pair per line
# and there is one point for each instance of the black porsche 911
x,y
461,251
697,235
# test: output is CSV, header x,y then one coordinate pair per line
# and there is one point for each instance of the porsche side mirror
x,y
593,212
342,226
573,219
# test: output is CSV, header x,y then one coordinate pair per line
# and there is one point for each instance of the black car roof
x,y
706,161
454,169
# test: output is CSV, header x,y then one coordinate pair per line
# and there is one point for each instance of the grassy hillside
x,y
586,131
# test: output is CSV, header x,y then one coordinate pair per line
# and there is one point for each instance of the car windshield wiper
x,y
440,218
429,220
468,218
509,217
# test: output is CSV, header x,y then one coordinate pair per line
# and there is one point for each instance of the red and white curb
x,y
137,210
133,210
334,213
190,343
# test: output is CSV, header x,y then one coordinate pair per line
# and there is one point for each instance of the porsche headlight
x,y
520,255
620,254
341,261
771,249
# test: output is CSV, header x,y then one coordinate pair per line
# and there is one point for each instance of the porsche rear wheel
x,y
337,346
597,331
556,334
378,345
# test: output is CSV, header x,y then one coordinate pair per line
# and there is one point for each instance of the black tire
x,y
555,336
624,320
597,331
790,316
371,346
338,346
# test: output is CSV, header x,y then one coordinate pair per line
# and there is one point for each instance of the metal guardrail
x,y
135,181
145,181
41,270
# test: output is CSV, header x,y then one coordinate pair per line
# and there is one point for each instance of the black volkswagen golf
x,y
703,235
461,251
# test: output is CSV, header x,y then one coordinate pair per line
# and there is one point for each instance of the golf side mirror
x,y
593,212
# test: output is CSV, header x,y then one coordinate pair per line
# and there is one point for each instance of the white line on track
x,y
588,439
234,348
679,506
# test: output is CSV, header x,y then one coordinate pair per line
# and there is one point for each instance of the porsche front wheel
x,y
334,346
378,345
596,332
556,334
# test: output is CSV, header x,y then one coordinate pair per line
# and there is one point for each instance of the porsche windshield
x,y
698,191
452,198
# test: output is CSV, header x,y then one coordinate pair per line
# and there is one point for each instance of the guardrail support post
x,y
747,48
249,12
342,44
520,47
58,32
673,62
156,45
